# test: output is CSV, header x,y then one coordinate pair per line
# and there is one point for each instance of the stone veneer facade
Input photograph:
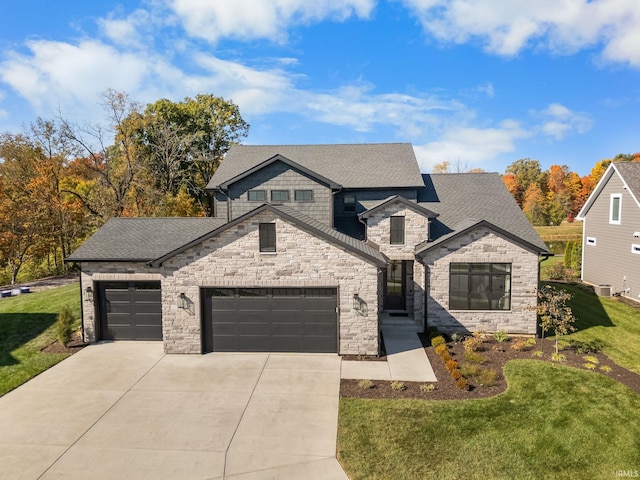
x,y
416,231
233,259
482,245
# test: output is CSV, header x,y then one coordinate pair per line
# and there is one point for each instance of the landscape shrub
x,y
487,377
462,383
437,341
398,386
469,370
451,365
427,387
501,336
473,343
474,357
440,349
585,346
456,374
524,344
64,325
458,336
365,384
446,356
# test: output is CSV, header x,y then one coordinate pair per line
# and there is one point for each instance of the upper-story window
x,y
349,202
397,230
303,195
614,211
257,195
279,195
267,237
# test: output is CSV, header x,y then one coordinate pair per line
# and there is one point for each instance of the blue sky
x,y
478,83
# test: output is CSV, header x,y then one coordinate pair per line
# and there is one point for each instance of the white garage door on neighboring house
x,y
270,320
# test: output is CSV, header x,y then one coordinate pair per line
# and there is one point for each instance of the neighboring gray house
x,y
611,231
311,249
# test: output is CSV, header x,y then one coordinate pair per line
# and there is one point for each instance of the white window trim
x,y
591,241
619,197
635,248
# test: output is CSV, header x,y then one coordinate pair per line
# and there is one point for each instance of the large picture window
x,y
480,286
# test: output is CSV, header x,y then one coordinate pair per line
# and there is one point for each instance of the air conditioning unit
x,y
603,290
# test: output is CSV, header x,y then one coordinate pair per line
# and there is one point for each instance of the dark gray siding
x,y
279,176
347,222
610,260
220,206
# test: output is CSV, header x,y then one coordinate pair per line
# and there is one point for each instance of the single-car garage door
x,y
270,320
130,310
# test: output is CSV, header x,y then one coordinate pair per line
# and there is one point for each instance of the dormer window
x,y
349,202
397,230
279,195
257,195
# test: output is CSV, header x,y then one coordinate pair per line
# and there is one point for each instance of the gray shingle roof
x,y
141,239
395,198
465,199
630,173
373,165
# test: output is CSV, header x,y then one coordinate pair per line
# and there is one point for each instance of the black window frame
x,y
496,277
396,232
288,195
263,192
351,205
303,200
267,233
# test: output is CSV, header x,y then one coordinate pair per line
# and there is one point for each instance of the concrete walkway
x,y
406,360
127,410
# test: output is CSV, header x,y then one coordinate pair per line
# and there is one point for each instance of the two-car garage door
x,y
270,320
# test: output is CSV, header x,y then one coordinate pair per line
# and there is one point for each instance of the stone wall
x,y
416,230
482,245
233,259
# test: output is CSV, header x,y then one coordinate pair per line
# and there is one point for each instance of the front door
x,y
395,286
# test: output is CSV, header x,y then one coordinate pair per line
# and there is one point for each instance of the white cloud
x,y
470,146
56,72
127,31
265,19
562,26
558,121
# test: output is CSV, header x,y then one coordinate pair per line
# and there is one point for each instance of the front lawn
x,y
27,325
552,422
615,323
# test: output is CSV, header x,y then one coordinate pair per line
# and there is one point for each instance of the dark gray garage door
x,y
270,320
130,311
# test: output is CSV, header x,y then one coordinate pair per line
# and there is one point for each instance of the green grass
x,y
27,324
606,319
548,264
564,231
552,422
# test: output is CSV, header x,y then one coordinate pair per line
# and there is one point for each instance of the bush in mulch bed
x,y
484,368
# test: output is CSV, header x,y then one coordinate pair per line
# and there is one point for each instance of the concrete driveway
x,y
127,410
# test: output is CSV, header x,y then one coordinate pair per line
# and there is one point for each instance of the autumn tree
x,y
114,167
525,172
184,142
534,206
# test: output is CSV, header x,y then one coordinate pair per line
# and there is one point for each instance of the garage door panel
x,y
130,310
270,319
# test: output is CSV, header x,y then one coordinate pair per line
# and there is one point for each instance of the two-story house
x,y
310,248
611,231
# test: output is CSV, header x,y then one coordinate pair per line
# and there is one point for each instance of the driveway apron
x,y
127,410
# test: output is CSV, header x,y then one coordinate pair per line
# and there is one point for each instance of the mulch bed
x,y
75,345
496,354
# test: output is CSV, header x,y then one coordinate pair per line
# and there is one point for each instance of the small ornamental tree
x,y
64,325
554,313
